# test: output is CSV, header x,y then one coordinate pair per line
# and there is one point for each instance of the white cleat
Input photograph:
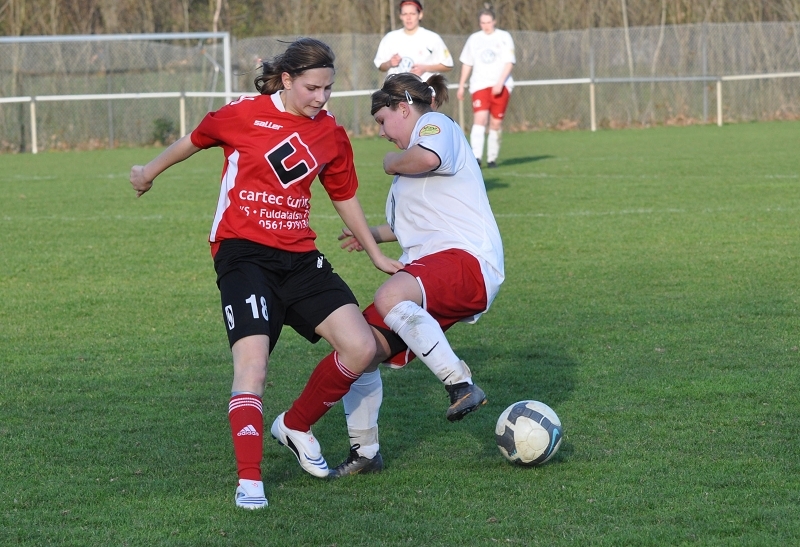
x,y
304,446
250,494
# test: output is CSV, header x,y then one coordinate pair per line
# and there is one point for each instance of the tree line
x,y
248,18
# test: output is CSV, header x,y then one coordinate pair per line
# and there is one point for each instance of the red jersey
x,y
271,159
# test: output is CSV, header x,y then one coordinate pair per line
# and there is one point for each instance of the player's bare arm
x,y
414,161
381,233
391,63
465,72
419,70
142,176
353,216
497,89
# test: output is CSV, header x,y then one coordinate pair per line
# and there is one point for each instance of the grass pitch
x,y
651,299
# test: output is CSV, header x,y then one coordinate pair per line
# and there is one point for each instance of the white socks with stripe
x,y
423,335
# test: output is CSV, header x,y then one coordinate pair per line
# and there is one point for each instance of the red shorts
x,y
495,104
453,289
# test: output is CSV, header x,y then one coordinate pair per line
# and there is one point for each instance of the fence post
x,y
183,113
704,53
34,146
592,103
719,102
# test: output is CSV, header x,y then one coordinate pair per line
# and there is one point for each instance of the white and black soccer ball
x,y
528,433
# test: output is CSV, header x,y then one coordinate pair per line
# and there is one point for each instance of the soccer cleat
x,y
250,494
464,398
491,164
479,161
304,446
356,464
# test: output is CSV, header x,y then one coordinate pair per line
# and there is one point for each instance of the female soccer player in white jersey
x,y
269,271
439,213
489,55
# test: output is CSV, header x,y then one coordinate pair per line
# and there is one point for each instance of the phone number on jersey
x,y
283,224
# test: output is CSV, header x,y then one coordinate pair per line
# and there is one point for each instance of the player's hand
x,y
386,264
497,89
395,60
419,70
139,182
460,93
349,241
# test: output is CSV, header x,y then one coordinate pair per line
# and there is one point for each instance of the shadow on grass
x,y
526,159
414,405
494,182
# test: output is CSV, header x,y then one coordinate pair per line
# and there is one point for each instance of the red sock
x,y
329,382
247,427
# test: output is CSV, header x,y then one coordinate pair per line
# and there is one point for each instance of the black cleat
x,y
464,398
356,464
479,162
491,164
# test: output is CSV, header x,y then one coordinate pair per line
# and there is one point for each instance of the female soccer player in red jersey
x,y
269,271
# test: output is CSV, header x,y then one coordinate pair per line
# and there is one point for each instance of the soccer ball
x,y
528,433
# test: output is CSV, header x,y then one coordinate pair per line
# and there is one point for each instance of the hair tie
x,y
309,67
433,91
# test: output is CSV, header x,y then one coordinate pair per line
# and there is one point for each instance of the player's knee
x,y
387,298
358,351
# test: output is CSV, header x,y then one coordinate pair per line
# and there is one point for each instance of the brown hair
x,y
487,11
301,55
409,88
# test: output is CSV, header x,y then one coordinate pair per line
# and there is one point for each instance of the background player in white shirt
x,y
413,48
489,55
439,213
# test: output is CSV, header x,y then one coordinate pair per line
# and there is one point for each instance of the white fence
x,y
94,91
592,85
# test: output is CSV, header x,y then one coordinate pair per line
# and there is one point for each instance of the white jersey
x,y
487,54
424,47
446,208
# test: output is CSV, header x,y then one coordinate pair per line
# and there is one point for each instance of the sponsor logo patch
x,y
429,130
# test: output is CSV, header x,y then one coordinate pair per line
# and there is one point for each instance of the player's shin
x,y
425,337
328,383
247,428
493,146
361,406
476,139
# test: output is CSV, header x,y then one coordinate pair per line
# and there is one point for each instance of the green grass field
x,y
651,299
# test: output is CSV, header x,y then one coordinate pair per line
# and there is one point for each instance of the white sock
x,y
423,335
476,137
493,146
361,407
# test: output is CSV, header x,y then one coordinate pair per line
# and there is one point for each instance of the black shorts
x,y
262,289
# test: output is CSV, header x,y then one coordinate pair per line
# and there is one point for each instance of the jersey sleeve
x,y
508,49
383,54
437,134
215,126
467,56
339,176
442,53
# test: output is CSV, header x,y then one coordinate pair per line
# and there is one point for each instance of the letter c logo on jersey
x,y
291,160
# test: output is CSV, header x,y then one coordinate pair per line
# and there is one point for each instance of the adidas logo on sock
x,y
247,430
